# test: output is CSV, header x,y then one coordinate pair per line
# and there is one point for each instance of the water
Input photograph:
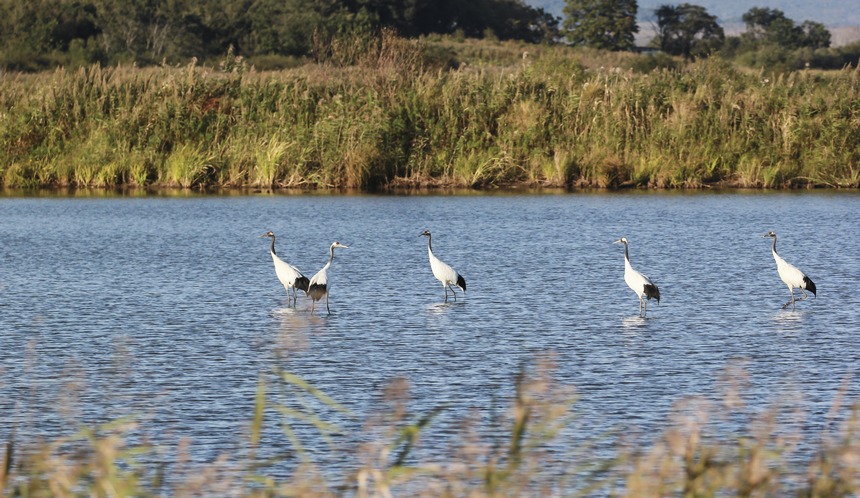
x,y
168,308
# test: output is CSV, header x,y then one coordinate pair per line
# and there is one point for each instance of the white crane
x,y
443,273
790,275
289,275
319,283
639,283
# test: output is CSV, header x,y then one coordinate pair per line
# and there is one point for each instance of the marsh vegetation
x,y
532,450
384,112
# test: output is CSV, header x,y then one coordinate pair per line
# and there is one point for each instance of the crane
x,y
319,283
639,283
790,275
289,275
443,273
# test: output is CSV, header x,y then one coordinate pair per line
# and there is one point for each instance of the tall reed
x,y
530,445
388,116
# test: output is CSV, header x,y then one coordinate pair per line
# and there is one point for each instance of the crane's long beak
x,y
264,235
617,241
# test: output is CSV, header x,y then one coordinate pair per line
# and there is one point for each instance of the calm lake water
x,y
168,308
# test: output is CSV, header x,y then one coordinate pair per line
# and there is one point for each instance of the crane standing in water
x,y
289,275
318,287
639,283
443,273
790,275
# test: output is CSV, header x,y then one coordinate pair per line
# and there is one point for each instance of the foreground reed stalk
x,y
529,446
392,117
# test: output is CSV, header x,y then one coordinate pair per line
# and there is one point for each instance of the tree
x,y
149,30
815,35
771,26
607,24
513,19
75,20
759,21
506,19
688,30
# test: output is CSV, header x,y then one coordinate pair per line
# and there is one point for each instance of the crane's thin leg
x,y
804,294
313,304
644,308
446,292
452,292
791,302
326,304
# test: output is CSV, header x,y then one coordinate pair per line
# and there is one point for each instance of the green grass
x,y
533,449
395,114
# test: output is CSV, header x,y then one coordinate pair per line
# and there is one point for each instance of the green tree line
x,y
44,33
771,40
40,34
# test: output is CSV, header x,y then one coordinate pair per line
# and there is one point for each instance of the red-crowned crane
x,y
639,283
443,273
790,275
318,287
289,275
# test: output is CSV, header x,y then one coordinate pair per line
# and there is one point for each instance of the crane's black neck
x,y
774,244
273,244
429,242
331,254
626,253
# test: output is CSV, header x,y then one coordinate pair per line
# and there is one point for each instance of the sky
x,y
842,17
829,12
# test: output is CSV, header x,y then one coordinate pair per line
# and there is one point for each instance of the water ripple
x,y
171,307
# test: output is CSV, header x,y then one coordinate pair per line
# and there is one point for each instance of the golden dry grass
x,y
387,114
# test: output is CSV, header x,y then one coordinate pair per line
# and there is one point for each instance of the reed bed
x,y
392,115
528,448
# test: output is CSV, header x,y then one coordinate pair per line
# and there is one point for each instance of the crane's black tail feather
x,y
652,292
461,283
808,284
302,283
317,291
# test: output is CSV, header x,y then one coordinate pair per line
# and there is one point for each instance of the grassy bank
x,y
527,448
396,114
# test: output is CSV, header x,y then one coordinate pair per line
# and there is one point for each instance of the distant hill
x,y
832,13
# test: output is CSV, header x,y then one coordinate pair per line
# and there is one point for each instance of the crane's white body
x,y
289,275
790,275
442,271
318,287
638,283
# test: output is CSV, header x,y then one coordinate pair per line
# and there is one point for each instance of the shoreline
x,y
525,188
